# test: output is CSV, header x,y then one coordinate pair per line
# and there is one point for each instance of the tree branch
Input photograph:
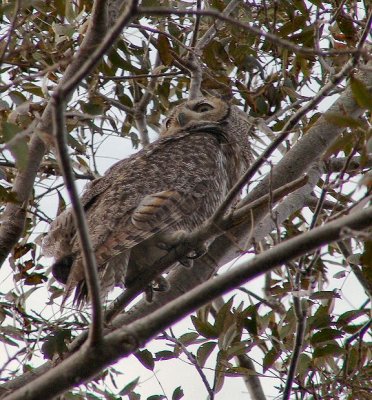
x,y
90,266
85,363
13,218
250,28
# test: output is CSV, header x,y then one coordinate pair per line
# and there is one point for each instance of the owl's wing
x,y
155,213
58,241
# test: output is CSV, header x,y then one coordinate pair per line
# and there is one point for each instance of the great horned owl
x,y
173,184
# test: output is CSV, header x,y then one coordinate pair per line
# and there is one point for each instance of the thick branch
x,y
86,363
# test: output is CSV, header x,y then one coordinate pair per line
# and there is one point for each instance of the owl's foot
x,y
179,239
160,284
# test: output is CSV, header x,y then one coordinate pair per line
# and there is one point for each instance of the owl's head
x,y
195,113
235,126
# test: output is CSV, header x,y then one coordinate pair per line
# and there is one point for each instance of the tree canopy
x,y
85,83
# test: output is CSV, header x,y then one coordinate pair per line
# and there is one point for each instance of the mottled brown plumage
x,y
174,184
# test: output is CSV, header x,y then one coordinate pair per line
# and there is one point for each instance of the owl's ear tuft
x,y
62,267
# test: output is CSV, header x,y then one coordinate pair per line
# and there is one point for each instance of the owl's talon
x,y
149,294
186,262
160,284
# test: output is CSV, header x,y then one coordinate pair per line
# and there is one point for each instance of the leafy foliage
x,y
270,80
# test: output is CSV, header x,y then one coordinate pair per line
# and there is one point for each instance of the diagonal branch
x,y
86,363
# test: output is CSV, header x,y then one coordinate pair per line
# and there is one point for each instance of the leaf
x,y
164,49
19,250
35,279
204,351
156,397
321,319
330,349
145,358
348,316
270,357
361,94
188,338
93,107
303,366
8,341
18,146
55,343
224,316
177,393
164,355
129,387
325,294
7,196
344,121
31,88
325,335
204,328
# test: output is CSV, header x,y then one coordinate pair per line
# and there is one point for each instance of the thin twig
x,y
300,311
250,28
193,361
90,267
140,106
290,124
10,31
141,76
127,13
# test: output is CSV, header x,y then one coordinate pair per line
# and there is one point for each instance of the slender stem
x,y
250,28
90,268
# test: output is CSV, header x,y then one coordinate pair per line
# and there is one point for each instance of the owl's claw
x,y
160,284
174,239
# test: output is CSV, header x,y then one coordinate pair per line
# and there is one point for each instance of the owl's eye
x,y
203,107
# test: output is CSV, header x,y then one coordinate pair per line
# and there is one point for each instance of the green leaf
x,y
204,351
156,397
188,338
361,94
33,89
204,328
348,316
325,294
164,355
18,146
145,358
129,387
94,106
330,349
344,121
304,364
164,49
325,335
177,393
55,343
270,357
8,341
321,319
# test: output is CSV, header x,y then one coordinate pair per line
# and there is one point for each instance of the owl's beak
x,y
182,119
